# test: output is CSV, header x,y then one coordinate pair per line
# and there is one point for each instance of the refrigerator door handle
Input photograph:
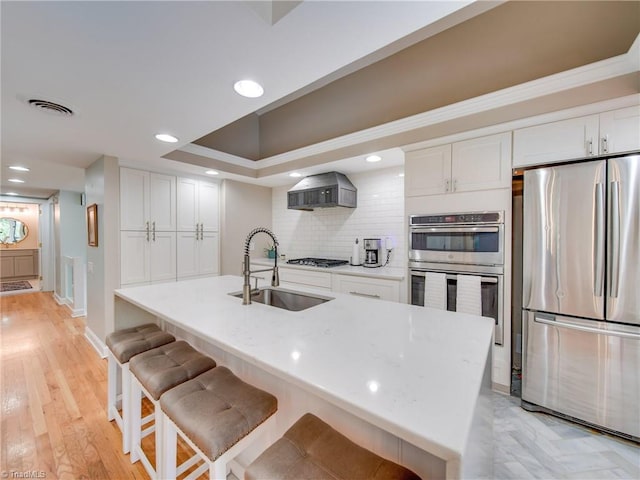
x,y
555,323
614,259
598,253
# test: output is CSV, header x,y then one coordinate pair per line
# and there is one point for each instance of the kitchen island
x,y
410,383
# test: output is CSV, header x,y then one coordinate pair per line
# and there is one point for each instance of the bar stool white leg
x,y
112,387
218,470
136,419
126,408
123,420
167,466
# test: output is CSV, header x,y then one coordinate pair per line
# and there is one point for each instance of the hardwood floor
x,y
54,423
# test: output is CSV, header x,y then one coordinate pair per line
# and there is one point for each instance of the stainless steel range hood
x,y
332,189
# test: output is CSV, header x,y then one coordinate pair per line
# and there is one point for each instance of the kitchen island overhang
x,y
411,383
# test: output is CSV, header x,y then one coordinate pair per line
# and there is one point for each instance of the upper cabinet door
x,y
428,171
187,204
481,163
620,130
134,199
162,202
556,142
208,206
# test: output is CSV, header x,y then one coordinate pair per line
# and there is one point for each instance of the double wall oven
x,y
460,244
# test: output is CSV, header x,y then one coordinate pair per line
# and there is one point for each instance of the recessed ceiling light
x,y
18,168
373,158
248,88
295,174
211,172
13,194
16,180
401,174
165,137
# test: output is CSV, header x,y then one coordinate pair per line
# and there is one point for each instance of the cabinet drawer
x,y
305,277
367,287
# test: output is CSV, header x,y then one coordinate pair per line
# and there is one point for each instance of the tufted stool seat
x,y
218,415
124,344
311,449
154,372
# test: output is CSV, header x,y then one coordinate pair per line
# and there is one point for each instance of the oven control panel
x,y
456,218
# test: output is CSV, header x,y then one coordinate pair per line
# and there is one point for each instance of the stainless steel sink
x,y
285,299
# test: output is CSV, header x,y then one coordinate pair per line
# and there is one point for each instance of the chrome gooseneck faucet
x,y
246,265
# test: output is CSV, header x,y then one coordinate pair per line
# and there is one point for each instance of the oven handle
x,y
455,277
455,229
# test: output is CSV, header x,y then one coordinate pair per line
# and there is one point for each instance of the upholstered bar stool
x,y
218,415
154,372
311,449
124,344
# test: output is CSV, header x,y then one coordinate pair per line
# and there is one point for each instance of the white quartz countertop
x,y
389,273
413,371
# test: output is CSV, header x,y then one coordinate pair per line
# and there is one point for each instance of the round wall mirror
x,y
12,230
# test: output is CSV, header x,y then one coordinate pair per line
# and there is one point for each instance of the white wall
x,y
331,232
243,207
70,234
103,261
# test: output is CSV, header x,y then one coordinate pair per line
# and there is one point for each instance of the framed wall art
x,y
92,225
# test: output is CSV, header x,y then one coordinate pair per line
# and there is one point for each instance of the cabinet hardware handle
x,y
590,147
605,144
455,185
368,295
154,231
447,184
147,230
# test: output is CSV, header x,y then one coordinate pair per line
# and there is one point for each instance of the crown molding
x,y
596,72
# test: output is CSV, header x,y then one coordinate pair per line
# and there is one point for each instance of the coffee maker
x,y
372,252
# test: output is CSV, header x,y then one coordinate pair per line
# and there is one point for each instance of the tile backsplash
x,y
331,232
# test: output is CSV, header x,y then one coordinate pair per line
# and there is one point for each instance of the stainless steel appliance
x,y
460,244
317,262
372,252
471,238
581,304
332,189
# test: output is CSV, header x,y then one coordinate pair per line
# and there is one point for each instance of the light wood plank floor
x,y
54,422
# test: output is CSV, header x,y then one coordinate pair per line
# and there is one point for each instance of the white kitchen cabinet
x,y
428,171
198,254
481,163
198,205
555,142
367,287
620,130
309,278
147,201
292,276
147,257
615,131
478,164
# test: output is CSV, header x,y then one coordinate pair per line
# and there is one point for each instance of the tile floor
x,y
537,445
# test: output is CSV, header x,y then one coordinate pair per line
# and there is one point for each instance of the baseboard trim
x,y
97,344
59,300
498,387
77,312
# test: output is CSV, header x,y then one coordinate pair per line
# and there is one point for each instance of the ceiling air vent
x,y
50,107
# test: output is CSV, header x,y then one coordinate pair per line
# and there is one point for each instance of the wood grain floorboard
x,y
53,406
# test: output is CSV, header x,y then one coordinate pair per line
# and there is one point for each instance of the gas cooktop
x,y
317,262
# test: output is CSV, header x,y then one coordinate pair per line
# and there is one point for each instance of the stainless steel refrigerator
x,y
581,292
